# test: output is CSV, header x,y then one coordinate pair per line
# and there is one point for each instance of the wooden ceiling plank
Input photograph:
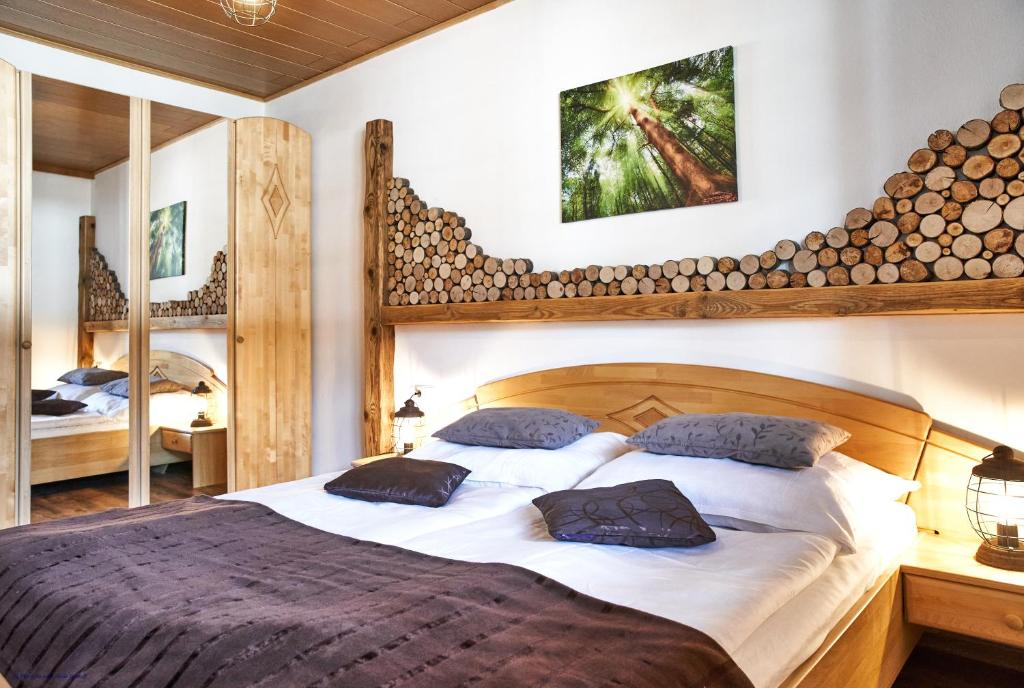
x,y
417,24
382,10
435,10
336,15
208,19
82,39
278,28
102,19
126,13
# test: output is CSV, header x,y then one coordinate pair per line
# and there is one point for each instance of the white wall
x,y
57,203
831,98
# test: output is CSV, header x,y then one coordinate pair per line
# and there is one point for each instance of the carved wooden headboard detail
x,y
627,397
184,370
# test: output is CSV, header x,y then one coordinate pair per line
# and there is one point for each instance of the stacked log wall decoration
x,y
955,215
107,302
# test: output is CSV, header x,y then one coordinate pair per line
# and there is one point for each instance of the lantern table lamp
x,y
995,506
203,391
408,425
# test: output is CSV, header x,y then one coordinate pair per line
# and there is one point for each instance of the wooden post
x,y
138,303
86,243
379,339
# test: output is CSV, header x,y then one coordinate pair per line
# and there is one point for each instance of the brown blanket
x,y
203,593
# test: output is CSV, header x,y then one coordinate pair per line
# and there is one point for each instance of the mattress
x,y
306,501
791,635
77,423
768,598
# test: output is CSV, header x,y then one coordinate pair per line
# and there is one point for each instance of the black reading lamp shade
x,y
408,424
995,507
203,391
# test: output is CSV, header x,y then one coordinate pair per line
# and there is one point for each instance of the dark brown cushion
x,y
55,407
40,394
402,481
91,377
646,513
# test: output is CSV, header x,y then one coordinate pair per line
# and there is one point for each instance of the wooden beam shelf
x,y
183,322
930,298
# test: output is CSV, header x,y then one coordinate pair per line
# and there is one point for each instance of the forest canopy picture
x,y
661,138
167,241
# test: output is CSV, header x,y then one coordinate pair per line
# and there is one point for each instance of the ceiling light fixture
x,y
249,12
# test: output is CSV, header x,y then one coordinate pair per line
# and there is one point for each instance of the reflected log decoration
x,y
946,237
106,301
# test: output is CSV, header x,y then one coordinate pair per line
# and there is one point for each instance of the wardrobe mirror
x,y
188,236
79,275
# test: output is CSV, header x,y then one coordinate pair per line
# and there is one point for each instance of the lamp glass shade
x,y
995,508
408,427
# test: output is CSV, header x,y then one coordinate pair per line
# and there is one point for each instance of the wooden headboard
x,y
184,370
627,397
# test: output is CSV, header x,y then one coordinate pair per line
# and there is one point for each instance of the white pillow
x,y
547,469
867,483
811,500
109,405
75,392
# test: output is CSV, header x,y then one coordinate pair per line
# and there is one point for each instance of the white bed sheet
x,y
306,501
794,632
77,423
725,589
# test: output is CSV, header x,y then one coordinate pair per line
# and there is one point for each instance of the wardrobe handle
x,y
1014,622
240,339
26,345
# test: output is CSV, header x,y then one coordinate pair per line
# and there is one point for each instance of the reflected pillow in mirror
x,y
91,376
55,407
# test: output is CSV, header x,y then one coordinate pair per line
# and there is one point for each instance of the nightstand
x,y
370,459
208,448
945,588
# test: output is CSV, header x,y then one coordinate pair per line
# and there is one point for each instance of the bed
x,y
856,636
87,443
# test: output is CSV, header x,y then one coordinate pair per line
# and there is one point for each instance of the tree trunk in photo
x,y
706,186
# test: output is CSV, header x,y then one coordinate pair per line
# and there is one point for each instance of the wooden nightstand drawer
x,y
963,608
176,441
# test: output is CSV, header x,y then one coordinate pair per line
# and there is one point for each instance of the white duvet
x,y
306,502
726,589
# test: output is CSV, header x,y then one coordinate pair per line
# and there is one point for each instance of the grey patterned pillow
x,y
157,385
768,440
646,513
518,428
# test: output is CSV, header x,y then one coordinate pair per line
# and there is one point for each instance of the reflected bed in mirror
x,y
78,460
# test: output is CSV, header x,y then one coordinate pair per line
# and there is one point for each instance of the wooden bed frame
x,y
106,451
869,645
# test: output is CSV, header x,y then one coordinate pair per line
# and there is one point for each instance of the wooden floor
x,y
102,492
947,661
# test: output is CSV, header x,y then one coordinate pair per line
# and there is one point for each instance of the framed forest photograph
x,y
167,241
661,138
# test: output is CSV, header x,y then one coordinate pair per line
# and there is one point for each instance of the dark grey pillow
x,y
402,481
768,440
91,377
157,385
518,428
40,394
55,407
646,513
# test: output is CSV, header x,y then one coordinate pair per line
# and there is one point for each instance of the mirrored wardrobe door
x,y
78,458
188,293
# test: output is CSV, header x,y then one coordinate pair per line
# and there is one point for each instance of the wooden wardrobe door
x,y
10,285
271,367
